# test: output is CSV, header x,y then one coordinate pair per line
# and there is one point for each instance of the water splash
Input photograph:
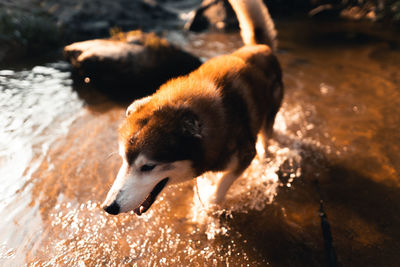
x,y
258,185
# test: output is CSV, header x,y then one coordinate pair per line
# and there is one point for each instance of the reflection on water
x,y
37,107
338,125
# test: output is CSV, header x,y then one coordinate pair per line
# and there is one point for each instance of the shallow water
x,y
336,140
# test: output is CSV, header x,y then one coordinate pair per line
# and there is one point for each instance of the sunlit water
x,y
338,126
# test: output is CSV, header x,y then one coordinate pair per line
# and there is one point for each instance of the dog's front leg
x,y
224,184
236,167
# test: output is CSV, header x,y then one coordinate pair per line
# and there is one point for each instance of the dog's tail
x,y
255,22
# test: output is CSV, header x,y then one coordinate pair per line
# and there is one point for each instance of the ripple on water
x,y
181,228
270,215
37,107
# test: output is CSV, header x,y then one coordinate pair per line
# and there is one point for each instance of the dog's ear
x,y
136,105
192,126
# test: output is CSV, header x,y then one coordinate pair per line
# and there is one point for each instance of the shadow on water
x,y
102,100
363,216
101,94
121,93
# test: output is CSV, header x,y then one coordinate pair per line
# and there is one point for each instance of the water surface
x,y
336,141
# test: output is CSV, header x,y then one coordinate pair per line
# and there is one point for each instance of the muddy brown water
x,y
336,144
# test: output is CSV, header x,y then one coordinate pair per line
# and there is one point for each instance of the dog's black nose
x,y
113,208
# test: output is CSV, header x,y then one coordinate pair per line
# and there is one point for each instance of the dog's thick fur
x,y
206,121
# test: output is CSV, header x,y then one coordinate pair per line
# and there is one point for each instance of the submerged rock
x,y
128,65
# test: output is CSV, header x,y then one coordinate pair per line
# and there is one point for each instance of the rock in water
x,y
128,65
214,14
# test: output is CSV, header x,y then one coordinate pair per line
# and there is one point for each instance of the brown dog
x,y
206,121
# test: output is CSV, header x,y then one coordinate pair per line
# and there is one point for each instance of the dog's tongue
x,y
151,198
144,207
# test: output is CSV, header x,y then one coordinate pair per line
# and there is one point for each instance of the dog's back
x,y
234,96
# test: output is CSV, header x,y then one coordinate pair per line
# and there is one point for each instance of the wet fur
x,y
209,118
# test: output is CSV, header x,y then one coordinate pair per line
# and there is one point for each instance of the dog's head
x,y
158,146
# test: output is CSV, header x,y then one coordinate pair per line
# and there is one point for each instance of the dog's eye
x,y
147,167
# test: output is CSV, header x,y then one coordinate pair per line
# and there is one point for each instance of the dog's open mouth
x,y
151,198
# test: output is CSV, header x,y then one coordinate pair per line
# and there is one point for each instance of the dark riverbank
x,y
34,28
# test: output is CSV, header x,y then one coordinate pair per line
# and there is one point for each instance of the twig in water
x,y
330,253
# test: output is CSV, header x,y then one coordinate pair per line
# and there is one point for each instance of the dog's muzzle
x,y
115,208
